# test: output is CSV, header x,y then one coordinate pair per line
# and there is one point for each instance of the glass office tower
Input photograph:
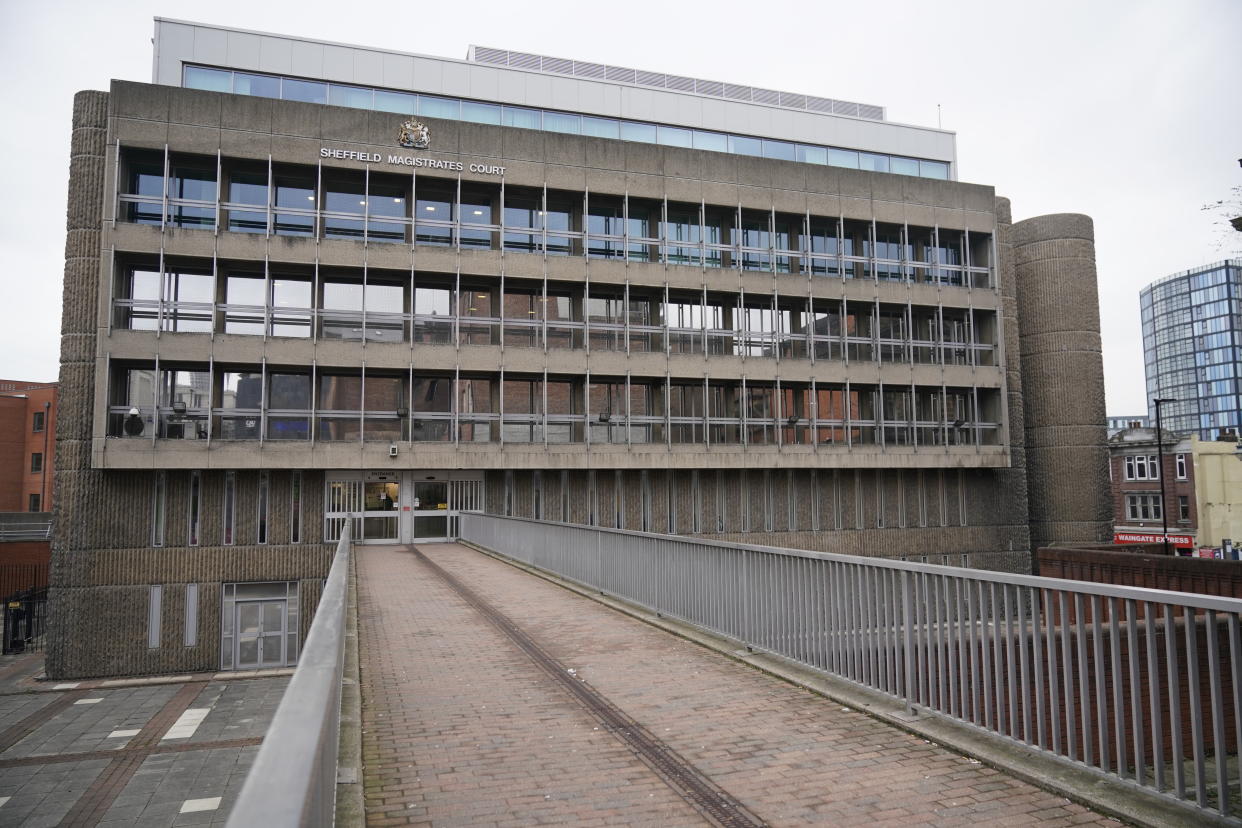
x,y
1192,347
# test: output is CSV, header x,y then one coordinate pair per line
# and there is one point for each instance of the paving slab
x,y
99,753
461,727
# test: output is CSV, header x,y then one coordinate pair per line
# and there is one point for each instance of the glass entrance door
x,y
430,511
260,638
381,520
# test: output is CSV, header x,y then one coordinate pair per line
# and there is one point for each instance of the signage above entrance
x,y
410,161
1139,537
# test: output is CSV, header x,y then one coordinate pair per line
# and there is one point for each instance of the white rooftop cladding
x,y
180,42
680,83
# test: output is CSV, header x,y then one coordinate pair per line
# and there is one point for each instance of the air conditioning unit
x,y
392,449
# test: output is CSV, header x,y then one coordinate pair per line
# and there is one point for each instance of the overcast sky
x,y
1127,110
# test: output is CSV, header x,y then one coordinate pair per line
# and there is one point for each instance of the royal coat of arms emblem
x,y
414,135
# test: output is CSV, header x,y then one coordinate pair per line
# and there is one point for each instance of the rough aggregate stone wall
x,y
1062,379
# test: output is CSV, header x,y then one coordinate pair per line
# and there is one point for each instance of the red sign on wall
x,y
1186,541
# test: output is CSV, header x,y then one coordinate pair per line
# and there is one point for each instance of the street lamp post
x,y
1164,513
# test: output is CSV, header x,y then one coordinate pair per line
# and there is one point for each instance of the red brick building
x,y
1135,472
27,445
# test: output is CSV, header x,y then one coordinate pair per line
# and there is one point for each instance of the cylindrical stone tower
x,y
75,488
1062,379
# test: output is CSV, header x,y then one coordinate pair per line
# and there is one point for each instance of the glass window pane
x,y
433,394
241,390
291,293
345,194
295,190
934,169
340,393
248,187
904,166
432,301
739,145
192,183
633,131
289,391
713,141
342,296
600,127
190,287
843,158
561,122
778,149
264,86
480,113
387,197
674,137
875,163
355,96
307,91
244,290
145,284
434,107
401,102
812,155
476,206
434,200
213,80
146,178
385,298
516,116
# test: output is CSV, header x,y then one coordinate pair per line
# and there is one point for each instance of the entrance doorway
x,y
400,506
430,511
260,634
259,625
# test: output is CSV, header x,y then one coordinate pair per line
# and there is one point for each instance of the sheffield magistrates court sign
x,y
409,161
414,135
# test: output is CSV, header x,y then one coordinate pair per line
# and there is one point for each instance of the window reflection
x,y
433,106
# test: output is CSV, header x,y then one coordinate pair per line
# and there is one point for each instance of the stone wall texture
x,y
103,560
1062,379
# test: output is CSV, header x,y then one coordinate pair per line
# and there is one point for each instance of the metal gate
x,y
25,621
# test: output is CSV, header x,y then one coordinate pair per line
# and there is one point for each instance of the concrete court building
x,y
338,283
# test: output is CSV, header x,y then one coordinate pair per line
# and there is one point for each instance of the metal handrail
x,y
25,531
1142,685
293,779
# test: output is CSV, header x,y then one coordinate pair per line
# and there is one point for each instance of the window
x,y
1183,507
263,487
1142,467
1181,467
36,462
37,423
33,503
1144,507
154,601
295,508
191,615
230,506
364,97
196,506
158,504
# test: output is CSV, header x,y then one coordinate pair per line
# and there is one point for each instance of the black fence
x,y
15,577
25,621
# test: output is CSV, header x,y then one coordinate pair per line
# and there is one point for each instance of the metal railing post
x,y
907,623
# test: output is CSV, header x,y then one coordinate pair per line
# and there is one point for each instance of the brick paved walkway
x,y
461,727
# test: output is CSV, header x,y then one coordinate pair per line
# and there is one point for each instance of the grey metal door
x,y
260,638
